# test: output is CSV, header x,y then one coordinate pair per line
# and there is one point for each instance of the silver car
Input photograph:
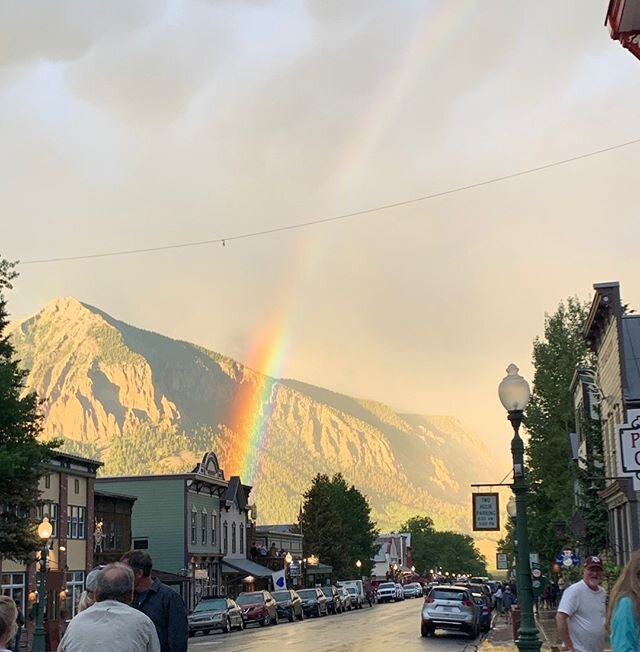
x,y
451,608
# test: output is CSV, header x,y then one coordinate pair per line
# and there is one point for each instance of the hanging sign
x,y
486,511
502,561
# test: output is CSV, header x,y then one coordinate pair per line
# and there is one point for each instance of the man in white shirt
x,y
581,614
111,625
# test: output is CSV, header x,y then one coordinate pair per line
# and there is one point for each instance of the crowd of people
x,y
124,608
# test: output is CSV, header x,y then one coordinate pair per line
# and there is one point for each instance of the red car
x,y
258,607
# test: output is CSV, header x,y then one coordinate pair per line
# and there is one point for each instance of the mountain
x,y
145,403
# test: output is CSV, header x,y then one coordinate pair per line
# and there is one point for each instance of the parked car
x,y
258,607
314,602
484,604
412,590
399,592
334,604
386,592
357,599
215,612
451,608
345,599
288,604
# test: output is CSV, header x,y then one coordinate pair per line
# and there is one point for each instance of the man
x,y
581,614
111,625
158,601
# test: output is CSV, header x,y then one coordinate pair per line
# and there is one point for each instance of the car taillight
x,y
429,599
467,603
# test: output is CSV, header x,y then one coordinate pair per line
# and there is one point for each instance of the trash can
x,y
515,621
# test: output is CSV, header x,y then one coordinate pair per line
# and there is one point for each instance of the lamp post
x,y
44,532
514,395
287,562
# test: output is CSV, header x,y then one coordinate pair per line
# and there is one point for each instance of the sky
x,y
139,124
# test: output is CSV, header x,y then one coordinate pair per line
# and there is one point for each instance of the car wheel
x,y
425,630
291,617
266,620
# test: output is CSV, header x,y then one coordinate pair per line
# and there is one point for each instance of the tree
x,y
21,454
549,420
450,551
337,526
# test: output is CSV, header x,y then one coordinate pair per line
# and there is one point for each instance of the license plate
x,y
447,608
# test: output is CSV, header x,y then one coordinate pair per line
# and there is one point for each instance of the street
x,y
394,626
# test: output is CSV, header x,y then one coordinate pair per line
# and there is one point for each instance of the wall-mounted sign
x,y
486,511
629,455
502,561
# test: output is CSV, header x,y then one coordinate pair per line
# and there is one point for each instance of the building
x,y
393,556
67,487
112,527
623,21
176,519
614,337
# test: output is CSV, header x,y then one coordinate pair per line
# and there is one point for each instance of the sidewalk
x,y
501,635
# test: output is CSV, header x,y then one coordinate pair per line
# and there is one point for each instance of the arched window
x,y
233,538
204,527
194,525
225,538
241,538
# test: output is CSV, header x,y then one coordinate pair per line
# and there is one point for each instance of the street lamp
x,y
44,532
287,566
358,565
514,395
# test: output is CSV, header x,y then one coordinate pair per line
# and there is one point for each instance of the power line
x,y
334,218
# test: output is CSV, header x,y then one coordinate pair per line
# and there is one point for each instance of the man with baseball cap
x,y
581,614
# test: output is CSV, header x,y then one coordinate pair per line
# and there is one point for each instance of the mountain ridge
x,y
118,391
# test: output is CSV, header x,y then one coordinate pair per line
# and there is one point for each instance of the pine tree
x,y
21,454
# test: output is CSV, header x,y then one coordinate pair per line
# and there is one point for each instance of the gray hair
x,y
115,582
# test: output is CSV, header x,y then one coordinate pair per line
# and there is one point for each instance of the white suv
x,y
387,592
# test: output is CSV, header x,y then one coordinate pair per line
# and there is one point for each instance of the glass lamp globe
x,y
514,390
511,507
45,529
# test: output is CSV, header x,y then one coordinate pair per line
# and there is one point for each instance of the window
x,y
213,529
194,526
75,586
76,518
241,538
225,538
47,481
50,510
12,584
140,544
76,486
204,527
233,538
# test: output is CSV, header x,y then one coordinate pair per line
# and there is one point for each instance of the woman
x,y
623,614
8,626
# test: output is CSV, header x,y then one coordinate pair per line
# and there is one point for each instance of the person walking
x,y
111,624
507,602
623,622
161,603
581,614
497,600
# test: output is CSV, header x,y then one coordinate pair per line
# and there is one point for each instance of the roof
x,y
631,348
109,494
238,492
67,458
244,567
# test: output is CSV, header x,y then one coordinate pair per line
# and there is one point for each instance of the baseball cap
x,y
92,578
593,562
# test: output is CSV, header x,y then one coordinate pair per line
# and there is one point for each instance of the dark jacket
x,y
166,609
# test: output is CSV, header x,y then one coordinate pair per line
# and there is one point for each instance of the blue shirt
x,y
624,627
166,609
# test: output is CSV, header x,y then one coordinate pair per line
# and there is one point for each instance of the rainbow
x,y
253,405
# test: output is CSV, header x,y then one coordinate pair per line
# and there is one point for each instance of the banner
x,y
279,580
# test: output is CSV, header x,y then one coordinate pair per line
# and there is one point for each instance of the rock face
x,y
144,403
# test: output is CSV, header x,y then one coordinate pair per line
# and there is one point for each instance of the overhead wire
x,y
335,218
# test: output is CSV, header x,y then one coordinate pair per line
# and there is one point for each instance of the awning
x,y
244,567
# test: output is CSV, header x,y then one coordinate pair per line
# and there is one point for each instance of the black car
x,y
289,605
215,612
314,602
334,603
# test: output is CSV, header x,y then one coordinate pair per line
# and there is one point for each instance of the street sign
x,y
486,512
536,572
502,561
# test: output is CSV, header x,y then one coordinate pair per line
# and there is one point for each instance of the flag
x,y
279,580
